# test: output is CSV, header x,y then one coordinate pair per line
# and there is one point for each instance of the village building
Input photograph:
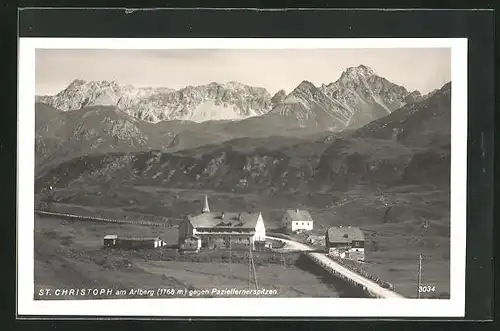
x,y
110,240
133,242
296,220
223,229
345,242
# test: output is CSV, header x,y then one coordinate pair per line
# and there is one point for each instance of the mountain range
x,y
408,145
356,98
101,116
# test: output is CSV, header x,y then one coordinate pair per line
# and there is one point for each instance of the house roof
x,y
230,220
299,215
345,234
225,233
110,236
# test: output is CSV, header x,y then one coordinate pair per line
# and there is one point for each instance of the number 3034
x,y
427,289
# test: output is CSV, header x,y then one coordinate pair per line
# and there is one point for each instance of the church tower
x,y
206,208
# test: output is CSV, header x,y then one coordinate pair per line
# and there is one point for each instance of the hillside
x,y
422,123
411,145
62,135
370,155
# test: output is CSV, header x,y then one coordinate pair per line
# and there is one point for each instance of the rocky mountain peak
x,y
358,71
77,82
278,97
306,91
364,79
92,84
305,85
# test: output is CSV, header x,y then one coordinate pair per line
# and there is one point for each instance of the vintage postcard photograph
x,y
242,177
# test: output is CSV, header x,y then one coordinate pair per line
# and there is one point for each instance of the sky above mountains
x,y
416,69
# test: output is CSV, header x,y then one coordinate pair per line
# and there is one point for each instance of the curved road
x,y
328,263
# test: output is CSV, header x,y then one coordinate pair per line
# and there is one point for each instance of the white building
x,y
223,229
297,219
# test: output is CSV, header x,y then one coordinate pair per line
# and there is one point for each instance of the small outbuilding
x,y
110,240
133,242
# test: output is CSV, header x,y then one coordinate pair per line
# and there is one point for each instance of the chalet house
x,y
223,229
133,242
345,242
295,220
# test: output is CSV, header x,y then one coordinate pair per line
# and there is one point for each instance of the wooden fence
x,y
372,292
101,219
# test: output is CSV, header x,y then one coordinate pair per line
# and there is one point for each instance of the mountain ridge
x,y
358,96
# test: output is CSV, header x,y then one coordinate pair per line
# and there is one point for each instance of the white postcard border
x,y
247,307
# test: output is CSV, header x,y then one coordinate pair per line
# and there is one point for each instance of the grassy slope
x,y
62,136
393,243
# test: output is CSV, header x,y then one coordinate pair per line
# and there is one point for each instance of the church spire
x,y
206,208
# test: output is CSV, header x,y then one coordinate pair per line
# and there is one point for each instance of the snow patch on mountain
x,y
209,110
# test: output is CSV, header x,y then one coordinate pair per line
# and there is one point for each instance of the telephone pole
x,y
229,254
419,275
254,272
249,266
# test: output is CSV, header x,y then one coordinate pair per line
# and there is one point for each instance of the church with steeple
x,y
223,229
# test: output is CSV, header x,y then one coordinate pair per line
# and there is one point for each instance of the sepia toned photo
x,y
238,173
